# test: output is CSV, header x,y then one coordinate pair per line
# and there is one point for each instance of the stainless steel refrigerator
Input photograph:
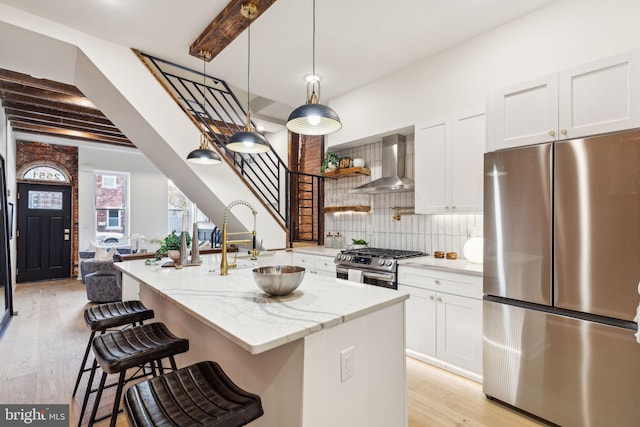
x,y
561,273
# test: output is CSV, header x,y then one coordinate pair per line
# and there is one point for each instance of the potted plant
x,y
359,243
330,162
171,243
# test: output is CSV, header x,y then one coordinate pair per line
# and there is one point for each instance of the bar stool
x,y
101,317
120,350
198,395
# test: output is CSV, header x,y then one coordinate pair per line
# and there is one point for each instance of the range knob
x,y
380,262
388,263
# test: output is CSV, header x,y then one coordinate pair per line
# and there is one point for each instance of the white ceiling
x,y
357,41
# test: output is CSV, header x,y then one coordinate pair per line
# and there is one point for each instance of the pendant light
x,y
248,141
204,155
313,118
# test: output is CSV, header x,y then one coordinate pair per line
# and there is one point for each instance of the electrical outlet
x,y
346,364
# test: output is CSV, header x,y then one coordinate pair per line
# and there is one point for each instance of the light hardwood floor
x,y
41,351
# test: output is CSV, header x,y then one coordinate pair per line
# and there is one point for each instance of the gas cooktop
x,y
383,253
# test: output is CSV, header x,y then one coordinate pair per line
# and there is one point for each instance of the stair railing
x,y
266,174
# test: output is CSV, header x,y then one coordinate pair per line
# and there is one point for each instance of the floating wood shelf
x,y
330,209
347,172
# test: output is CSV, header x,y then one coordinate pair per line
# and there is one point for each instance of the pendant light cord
x,y
248,63
204,82
313,61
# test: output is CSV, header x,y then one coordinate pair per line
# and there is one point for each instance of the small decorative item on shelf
x,y
331,161
338,241
345,162
358,163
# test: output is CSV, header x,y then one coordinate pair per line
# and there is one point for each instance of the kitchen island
x,y
330,354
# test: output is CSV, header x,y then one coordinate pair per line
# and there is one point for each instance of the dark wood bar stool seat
x,y
102,317
120,350
198,395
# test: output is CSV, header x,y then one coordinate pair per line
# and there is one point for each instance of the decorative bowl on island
x,y
278,280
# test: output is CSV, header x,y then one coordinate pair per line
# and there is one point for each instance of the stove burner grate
x,y
384,253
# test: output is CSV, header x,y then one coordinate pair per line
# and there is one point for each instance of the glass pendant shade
x,y
203,155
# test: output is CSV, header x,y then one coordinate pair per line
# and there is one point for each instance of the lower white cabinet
x,y
444,319
315,264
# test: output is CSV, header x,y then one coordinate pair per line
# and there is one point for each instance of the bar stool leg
x,y
88,391
116,403
84,361
94,411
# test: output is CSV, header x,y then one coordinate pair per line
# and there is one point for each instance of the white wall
x,y
147,197
562,35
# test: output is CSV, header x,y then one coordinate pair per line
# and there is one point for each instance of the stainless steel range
x,y
379,267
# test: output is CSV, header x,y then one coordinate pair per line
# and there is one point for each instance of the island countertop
x,y
235,307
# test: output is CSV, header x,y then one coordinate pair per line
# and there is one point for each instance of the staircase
x,y
293,198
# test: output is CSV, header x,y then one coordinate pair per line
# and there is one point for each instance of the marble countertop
x,y
452,265
235,307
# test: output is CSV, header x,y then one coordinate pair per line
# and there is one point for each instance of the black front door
x,y
44,232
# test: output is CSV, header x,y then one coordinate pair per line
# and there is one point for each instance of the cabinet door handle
x,y
431,297
563,131
437,282
439,299
552,133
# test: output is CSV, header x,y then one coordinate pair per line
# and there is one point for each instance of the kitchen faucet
x,y
224,264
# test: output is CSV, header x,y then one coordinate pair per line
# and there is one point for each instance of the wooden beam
x,y
225,27
44,84
19,89
38,102
70,134
18,109
62,122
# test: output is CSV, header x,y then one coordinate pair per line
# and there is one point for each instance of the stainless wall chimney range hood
x,y
393,169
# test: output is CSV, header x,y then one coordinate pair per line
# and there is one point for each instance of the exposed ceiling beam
x,y
225,27
44,107
18,126
19,108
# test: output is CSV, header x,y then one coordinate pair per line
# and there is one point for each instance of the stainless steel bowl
x,y
278,280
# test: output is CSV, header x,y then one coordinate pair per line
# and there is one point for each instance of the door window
x,y
45,200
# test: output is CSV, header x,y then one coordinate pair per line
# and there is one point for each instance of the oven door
x,y
371,277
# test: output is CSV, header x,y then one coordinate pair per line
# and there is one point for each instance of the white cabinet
x,y
420,316
594,98
444,319
449,155
315,264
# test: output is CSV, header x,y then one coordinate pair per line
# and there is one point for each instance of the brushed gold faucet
x,y
224,264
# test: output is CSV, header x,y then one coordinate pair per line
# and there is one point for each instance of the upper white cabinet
x,y
598,97
449,153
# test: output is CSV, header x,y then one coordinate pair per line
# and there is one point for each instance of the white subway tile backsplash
x,y
426,233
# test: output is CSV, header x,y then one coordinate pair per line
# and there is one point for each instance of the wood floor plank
x,y
43,346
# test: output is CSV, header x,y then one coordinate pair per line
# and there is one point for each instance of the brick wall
x,y
308,153
60,156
